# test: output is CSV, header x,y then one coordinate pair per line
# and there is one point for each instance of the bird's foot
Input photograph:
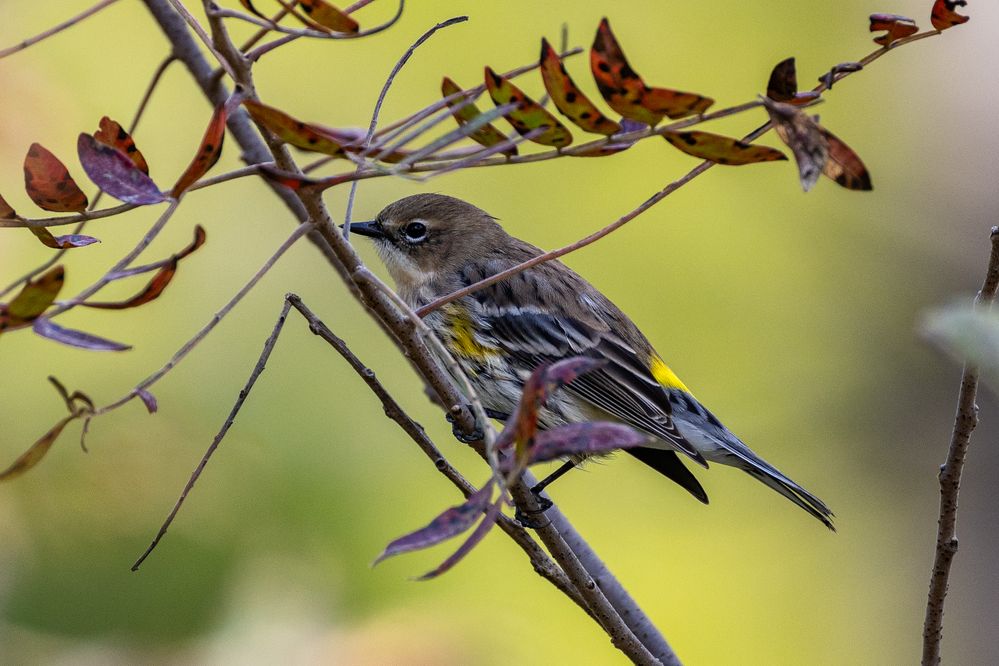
x,y
462,436
532,518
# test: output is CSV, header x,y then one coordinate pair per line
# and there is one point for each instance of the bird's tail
x,y
795,493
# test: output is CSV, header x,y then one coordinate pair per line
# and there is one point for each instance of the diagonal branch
x,y
950,479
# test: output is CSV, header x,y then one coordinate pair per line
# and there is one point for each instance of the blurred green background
x,y
793,317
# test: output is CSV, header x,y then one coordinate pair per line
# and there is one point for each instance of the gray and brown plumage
x,y
433,245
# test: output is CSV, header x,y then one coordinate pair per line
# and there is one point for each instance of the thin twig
x,y
192,22
400,63
298,232
68,23
950,478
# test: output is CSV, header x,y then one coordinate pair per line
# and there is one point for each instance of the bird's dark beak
x,y
372,229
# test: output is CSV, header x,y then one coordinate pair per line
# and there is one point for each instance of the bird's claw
x,y
529,518
462,436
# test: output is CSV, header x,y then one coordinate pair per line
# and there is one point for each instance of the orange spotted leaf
x,y
208,153
944,15
62,242
49,184
112,134
626,92
896,27
33,299
721,149
6,210
35,452
843,165
328,16
528,114
297,133
569,99
487,135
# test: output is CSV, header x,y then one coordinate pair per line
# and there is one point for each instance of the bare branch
x,y
68,23
950,478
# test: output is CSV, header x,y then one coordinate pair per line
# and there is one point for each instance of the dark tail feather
x,y
796,494
669,465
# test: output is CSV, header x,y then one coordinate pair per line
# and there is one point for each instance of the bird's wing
x,y
625,387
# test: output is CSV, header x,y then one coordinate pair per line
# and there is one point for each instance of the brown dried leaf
x,y
943,15
528,114
844,166
36,452
569,99
49,184
6,210
33,299
487,135
290,130
62,242
112,134
896,27
721,149
328,16
208,153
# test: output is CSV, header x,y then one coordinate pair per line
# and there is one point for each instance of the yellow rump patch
x,y
465,343
665,376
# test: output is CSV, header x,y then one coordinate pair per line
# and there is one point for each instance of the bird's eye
x,y
415,231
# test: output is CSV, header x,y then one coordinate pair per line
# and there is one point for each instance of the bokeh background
x,y
793,316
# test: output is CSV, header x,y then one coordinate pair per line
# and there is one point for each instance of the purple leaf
x,y
584,439
115,174
47,329
451,523
471,542
62,242
148,399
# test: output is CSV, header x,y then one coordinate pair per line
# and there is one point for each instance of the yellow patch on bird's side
x,y
665,376
465,344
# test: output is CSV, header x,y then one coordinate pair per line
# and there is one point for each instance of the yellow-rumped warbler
x,y
434,244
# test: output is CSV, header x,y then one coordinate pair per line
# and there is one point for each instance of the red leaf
x,y
6,211
36,452
62,242
208,153
487,135
721,149
49,184
473,540
290,130
114,135
33,299
896,27
843,165
626,92
159,281
328,16
528,115
584,439
67,336
113,172
451,523
569,99
943,15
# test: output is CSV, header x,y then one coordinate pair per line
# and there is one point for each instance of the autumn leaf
x,y
6,210
896,27
843,165
33,299
113,172
290,130
62,242
114,135
208,153
67,336
49,184
944,16
721,149
148,399
450,523
528,114
626,92
492,513
36,452
464,113
328,16
569,99
584,439
159,282
783,84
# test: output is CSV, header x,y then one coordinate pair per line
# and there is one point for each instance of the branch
x,y
950,479
56,29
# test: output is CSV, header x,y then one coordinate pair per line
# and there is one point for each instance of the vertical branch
x,y
950,479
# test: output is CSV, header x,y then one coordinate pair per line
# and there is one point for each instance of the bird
x,y
434,244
